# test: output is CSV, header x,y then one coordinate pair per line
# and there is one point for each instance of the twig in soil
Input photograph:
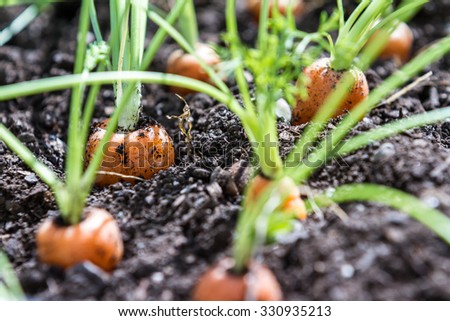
x,y
339,212
121,175
185,124
307,191
406,89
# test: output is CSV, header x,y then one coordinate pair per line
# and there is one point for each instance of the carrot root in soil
x,y
220,283
140,153
293,203
185,64
322,81
96,239
399,45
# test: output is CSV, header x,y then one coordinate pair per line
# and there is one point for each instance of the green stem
x,y
189,49
94,22
188,24
433,219
10,288
74,163
252,226
356,31
89,109
130,116
20,23
161,34
266,133
234,42
44,173
391,129
263,24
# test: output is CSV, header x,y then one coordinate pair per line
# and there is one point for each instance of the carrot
x,y
325,74
322,80
185,64
128,156
254,7
96,239
293,203
220,283
399,44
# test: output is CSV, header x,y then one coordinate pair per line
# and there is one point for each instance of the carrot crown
x,y
355,32
368,17
128,28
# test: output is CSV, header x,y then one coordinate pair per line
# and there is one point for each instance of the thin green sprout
x,y
234,43
368,17
161,34
188,24
391,129
252,227
129,54
6,3
20,23
263,23
178,37
94,22
33,87
10,289
354,33
45,173
406,203
72,209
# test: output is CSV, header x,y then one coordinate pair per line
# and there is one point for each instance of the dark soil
x,y
182,220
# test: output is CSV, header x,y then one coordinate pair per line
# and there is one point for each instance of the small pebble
x,y
85,280
384,152
200,173
157,277
167,295
347,271
31,179
214,190
149,200
26,137
283,110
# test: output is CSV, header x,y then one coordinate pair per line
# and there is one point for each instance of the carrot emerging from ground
x,y
399,45
96,239
322,80
293,203
127,156
185,64
220,283
254,7
325,74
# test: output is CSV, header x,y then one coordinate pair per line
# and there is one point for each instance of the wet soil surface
x,y
183,219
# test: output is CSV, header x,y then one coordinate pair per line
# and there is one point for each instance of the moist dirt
x,y
182,220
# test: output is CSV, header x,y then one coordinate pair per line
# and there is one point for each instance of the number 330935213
x,y
304,310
